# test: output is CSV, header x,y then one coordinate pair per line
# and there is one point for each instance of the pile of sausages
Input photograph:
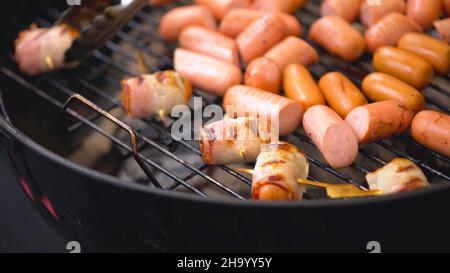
x,y
264,37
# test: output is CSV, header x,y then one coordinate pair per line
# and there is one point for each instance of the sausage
x,y
206,73
403,65
340,93
379,120
292,50
243,100
346,9
230,141
446,6
443,28
399,175
370,13
263,73
159,3
332,136
41,50
211,43
435,52
380,87
432,130
221,7
300,86
177,19
260,36
388,30
238,19
424,12
338,37
287,6
276,174
148,95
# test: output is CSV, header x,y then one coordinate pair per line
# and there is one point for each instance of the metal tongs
x,y
97,22
333,190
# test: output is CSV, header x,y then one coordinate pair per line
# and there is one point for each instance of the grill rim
x,y
23,139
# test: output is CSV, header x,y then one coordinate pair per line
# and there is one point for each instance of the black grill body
x,y
104,213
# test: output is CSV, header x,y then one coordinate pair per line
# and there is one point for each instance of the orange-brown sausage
x,y
424,12
205,72
292,50
244,100
299,85
443,28
372,13
380,87
379,120
403,65
388,30
332,136
260,36
338,37
210,43
435,52
238,19
432,130
346,9
288,6
221,7
446,6
174,21
340,93
263,73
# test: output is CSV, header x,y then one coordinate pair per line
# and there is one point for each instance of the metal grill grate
x,y
112,63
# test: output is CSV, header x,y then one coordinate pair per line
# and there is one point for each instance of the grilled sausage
x,y
260,36
446,6
292,50
388,30
443,28
432,130
206,73
230,141
340,93
403,65
372,13
379,120
338,37
424,12
221,7
346,9
210,43
43,49
276,174
263,73
238,19
243,100
287,6
380,87
399,175
148,95
332,136
177,19
435,52
300,86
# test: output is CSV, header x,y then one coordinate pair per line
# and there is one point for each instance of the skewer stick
x,y
142,67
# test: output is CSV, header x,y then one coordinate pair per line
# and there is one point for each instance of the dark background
x,y
21,227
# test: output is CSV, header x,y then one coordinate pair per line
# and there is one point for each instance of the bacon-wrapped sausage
x,y
399,175
41,50
232,141
150,95
277,169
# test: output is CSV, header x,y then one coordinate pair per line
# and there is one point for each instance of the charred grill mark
x,y
140,80
404,168
273,162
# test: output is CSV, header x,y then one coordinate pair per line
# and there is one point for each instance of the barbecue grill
x,y
150,192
